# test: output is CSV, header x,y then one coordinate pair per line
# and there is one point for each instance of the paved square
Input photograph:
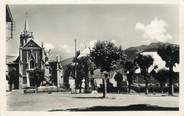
x,y
17,101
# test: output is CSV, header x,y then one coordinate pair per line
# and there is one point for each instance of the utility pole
x,y
58,72
75,66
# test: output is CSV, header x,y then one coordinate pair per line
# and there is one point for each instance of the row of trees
x,y
107,56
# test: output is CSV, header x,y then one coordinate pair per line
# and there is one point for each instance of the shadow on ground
x,y
88,97
94,97
136,107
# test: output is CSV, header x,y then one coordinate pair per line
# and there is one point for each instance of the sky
x,y
126,25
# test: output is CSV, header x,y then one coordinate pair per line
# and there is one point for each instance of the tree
x,y
104,54
118,78
144,62
80,71
162,76
92,80
80,76
130,68
12,74
83,71
67,73
38,77
75,61
170,54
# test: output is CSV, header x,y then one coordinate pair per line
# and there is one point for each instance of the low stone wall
x,y
48,89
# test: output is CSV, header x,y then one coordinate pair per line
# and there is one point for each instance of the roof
x,y
9,17
31,43
11,59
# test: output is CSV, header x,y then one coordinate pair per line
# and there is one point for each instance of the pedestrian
x,y
12,74
152,75
118,78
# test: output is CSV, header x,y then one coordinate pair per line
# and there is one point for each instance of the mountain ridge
x,y
131,52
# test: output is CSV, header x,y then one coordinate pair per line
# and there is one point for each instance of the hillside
x,y
67,61
133,51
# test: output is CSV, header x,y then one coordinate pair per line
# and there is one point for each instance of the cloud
x,y
48,46
82,46
87,48
92,43
154,31
114,42
67,49
84,52
140,26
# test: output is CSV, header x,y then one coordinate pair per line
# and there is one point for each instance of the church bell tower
x,y
26,35
31,57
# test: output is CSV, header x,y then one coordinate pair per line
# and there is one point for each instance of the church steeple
x,y
26,26
26,35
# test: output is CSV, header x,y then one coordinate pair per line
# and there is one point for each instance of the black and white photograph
x,y
92,57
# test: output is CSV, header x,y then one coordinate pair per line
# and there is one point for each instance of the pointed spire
x,y
26,26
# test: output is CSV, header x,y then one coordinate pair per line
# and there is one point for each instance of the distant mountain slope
x,y
67,61
133,51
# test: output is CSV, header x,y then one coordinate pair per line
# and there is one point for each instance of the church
x,y
31,56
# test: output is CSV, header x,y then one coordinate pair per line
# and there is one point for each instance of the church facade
x,y
31,56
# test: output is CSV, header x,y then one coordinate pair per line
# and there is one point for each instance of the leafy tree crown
x,y
144,61
105,54
170,54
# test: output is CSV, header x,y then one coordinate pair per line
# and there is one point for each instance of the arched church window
x,y
32,64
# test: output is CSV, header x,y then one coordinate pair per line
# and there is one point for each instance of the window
x,y
32,64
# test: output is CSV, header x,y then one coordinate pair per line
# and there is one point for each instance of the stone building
x,y
10,60
9,24
31,56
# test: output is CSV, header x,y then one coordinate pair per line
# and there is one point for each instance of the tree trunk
x,y
36,83
92,84
80,87
161,86
104,87
145,74
146,86
87,83
118,86
36,88
171,86
129,87
66,78
129,82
